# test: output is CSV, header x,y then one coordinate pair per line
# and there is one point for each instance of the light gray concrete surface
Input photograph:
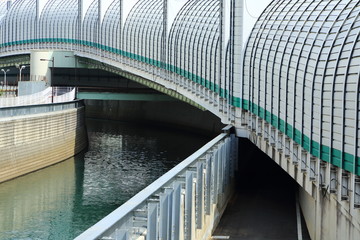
x,y
264,204
29,143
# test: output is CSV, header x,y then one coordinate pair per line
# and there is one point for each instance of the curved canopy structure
x,y
194,42
20,22
302,74
58,20
143,31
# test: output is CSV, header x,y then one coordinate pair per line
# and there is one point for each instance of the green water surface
x,y
62,201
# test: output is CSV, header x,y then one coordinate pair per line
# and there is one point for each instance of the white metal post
x,y
20,69
5,71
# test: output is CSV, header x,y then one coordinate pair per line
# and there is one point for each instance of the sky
x,y
252,10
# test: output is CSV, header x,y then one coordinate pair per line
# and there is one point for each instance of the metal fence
x,y
184,203
48,95
37,109
8,91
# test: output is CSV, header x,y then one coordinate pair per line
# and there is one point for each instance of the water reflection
x,y
63,200
38,203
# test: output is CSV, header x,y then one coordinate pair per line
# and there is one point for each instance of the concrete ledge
x,y
124,96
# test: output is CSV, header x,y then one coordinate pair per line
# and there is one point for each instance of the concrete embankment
x,y
31,142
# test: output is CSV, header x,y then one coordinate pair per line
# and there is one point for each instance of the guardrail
x,y
48,95
185,203
40,108
8,91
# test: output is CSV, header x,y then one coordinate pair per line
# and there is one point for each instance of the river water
x,y
61,201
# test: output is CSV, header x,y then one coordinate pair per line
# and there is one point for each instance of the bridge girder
x,y
146,82
11,61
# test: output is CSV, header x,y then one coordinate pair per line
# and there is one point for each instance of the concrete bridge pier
x,y
43,64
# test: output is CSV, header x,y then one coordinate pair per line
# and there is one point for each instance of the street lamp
x,y
5,71
52,75
20,69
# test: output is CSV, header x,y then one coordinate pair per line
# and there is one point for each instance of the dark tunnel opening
x,y
264,203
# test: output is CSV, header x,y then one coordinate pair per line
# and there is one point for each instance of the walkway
x,y
264,204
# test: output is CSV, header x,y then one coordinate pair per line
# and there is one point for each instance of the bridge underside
x,y
327,206
14,60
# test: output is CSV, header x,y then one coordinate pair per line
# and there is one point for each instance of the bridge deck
x,y
264,204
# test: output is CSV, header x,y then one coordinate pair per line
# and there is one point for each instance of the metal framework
x,y
301,72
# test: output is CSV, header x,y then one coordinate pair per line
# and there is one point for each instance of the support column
x,y
40,66
236,61
237,47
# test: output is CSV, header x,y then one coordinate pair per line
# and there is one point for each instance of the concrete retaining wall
x,y
29,143
327,218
